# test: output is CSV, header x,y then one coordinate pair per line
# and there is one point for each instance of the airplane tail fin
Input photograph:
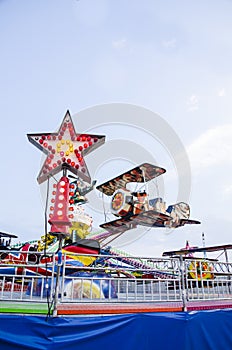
x,y
180,213
180,210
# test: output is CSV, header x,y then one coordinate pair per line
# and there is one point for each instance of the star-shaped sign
x,y
65,149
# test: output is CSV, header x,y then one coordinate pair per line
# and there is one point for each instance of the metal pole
x,y
203,243
64,168
228,268
183,286
59,264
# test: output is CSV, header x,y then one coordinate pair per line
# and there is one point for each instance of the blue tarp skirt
x,y
199,330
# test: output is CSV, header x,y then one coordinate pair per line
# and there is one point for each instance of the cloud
x,y
228,190
193,103
169,44
213,148
221,92
119,44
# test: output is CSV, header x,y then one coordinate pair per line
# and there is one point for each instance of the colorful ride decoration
x,y
79,285
75,194
59,219
79,230
118,201
90,285
46,242
65,151
83,246
200,270
79,289
34,263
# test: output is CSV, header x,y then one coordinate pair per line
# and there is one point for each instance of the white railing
x,y
27,276
76,278
122,279
208,279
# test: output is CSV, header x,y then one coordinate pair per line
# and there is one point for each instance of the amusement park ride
x,y
135,208
69,224
69,272
65,151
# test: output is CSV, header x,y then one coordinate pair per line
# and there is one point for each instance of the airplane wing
x,y
148,218
179,223
119,225
189,222
141,173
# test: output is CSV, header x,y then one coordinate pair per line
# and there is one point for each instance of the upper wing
x,y
141,173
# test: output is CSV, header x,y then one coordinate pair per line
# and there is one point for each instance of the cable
x,y
103,204
54,178
157,187
45,250
112,239
220,255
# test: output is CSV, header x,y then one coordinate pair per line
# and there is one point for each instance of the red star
x,y
65,149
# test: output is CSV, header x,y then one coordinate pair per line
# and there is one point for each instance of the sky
x,y
172,58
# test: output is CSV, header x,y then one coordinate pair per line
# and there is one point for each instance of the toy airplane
x,y
134,208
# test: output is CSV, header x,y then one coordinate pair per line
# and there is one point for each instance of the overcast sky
x,y
170,57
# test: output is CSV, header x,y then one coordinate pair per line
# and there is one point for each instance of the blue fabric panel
x,y
202,330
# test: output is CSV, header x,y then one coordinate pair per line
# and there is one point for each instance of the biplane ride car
x,y
135,208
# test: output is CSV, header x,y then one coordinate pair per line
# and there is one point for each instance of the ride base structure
x,y
71,272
